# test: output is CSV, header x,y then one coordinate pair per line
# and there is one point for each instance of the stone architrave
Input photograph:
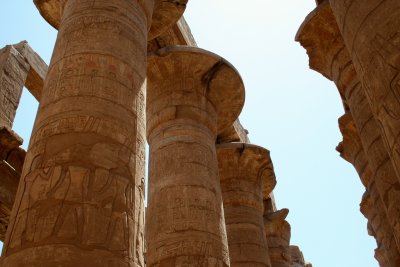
x,y
278,232
321,36
244,172
193,95
371,32
80,200
351,150
13,73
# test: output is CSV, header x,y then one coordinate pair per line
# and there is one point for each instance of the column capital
x,y
178,73
165,13
247,161
320,36
277,226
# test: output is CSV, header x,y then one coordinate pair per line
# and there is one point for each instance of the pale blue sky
x,y
289,109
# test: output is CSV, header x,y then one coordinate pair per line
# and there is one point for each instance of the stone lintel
x,y
209,74
38,69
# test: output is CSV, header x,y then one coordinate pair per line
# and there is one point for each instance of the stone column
x,y
321,36
371,206
278,234
297,257
371,32
13,73
81,196
244,171
193,95
386,253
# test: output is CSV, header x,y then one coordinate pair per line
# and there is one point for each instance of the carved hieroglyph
x,y
244,171
321,36
193,95
81,197
371,32
13,73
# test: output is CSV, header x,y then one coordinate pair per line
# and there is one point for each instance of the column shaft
x,y
372,206
370,29
321,36
80,198
186,101
244,171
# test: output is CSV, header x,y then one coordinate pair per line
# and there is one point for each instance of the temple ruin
x,y
124,73
356,44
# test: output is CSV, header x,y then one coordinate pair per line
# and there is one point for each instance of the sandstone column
x,y
371,206
278,233
371,32
80,199
192,96
13,73
297,257
321,36
245,173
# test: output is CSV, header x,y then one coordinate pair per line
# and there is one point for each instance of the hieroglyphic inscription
x,y
81,194
13,73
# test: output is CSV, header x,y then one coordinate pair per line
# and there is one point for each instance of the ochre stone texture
x,y
371,32
329,55
19,67
80,201
371,206
278,232
244,173
192,96
13,73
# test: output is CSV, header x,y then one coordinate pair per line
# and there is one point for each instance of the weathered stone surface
x,y
321,36
244,172
13,73
11,160
162,13
81,195
297,257
166,13
37,71
370,30
371,206
192,95
278,234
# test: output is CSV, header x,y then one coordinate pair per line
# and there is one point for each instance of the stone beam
x,y
37,71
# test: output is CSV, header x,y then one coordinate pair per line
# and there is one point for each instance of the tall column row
x,y
80,200
339,60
